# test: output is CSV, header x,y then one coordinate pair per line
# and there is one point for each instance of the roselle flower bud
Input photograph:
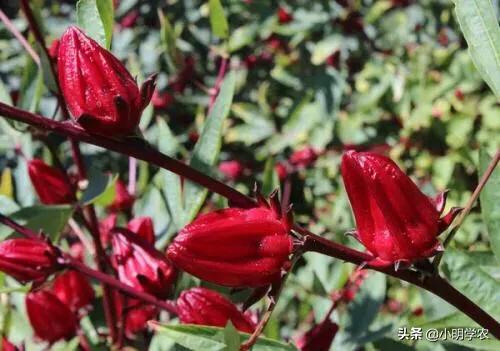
x,y
235,247
50,318
100,93
28,260
105,227
74,290
54,49
138,268
7,345
304,157
395,221
319,337
137,316
231,169
284,16
282,170
51,185
206,307
123,201
143,227
162,100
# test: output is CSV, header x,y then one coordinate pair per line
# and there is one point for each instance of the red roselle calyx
x,y
138,268
207,307
284,16
395,221
28,260
143,227
74,290
51,184
304,157
100,93
123,200
236,247
50,318
319,337
137,316
231,169
7,345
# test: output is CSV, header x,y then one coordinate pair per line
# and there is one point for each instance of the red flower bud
x,y
140,269
27,260
459,94
8,346
105,227
137,317
73,289
231,169
318,338
50,318
100,93
51,185
395,221
281,170
130,19
284,16
206,307
304,157
123,201
143,227
235,247
162,100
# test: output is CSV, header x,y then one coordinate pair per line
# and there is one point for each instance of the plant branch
x,y
143,151
218,82
468,206
435,284
12,28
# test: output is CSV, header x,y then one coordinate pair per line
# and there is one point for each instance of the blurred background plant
x,y
312,79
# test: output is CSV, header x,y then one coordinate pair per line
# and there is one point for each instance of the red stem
x,y
143,151
218,82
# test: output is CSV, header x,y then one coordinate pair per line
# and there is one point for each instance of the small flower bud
x,y
73,289
50,318
143,227
51,185
27,260
139,269
207,307
123,201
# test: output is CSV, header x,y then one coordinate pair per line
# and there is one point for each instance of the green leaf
x,y
218,20
361,313
490,202
31,87
95,17
49,219
270,180
169,40
101,189
106,12
472,281
206,150
4,94
231,337
196,337
481,31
